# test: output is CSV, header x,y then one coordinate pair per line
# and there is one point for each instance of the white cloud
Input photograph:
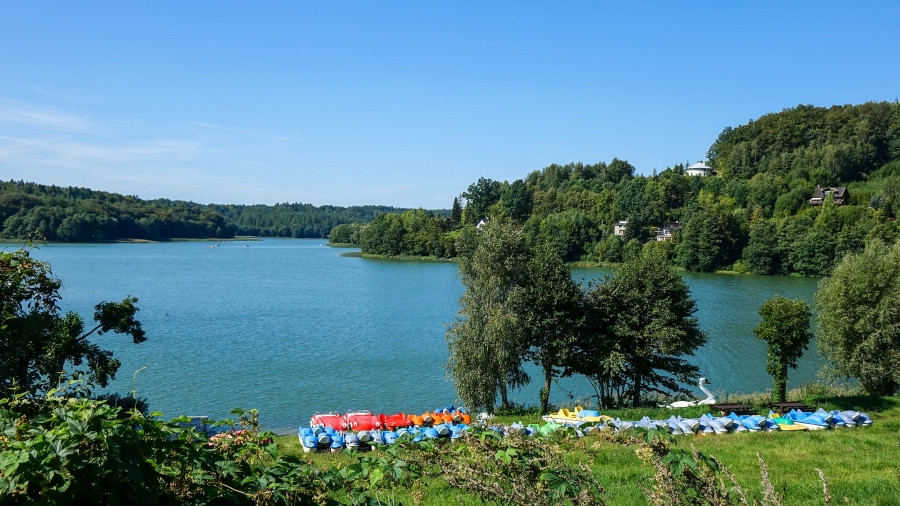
x,y
70,153
16,113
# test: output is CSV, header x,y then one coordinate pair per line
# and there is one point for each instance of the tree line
x,y
71,214
296,220
81,215
751,215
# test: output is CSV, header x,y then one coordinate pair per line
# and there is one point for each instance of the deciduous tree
x,y
481,195
647,314
517,200
858,317
486,342
36,340
785,329
550,306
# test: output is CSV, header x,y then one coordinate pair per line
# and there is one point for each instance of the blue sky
x,y
406,104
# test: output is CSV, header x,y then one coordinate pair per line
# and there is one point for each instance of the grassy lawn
x,y
862,465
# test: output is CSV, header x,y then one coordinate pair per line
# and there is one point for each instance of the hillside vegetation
x,y
83,215
752,214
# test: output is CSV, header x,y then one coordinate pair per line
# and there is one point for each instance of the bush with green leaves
x,y
80,451
519,470
858,316
37,340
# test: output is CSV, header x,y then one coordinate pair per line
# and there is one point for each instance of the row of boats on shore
x,y
360,430
794,420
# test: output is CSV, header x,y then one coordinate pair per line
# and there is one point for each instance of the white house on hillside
x,y
619,228
698,169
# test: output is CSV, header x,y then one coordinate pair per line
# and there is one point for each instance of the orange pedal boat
x,y
397,421
424,420
451,415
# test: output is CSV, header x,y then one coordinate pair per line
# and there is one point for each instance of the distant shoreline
x,y
128,240
399,258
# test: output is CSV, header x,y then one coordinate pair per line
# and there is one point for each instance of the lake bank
x,y
398,258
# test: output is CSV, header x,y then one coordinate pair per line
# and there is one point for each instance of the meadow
x,y
861,466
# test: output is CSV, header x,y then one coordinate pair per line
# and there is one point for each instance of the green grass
x,y
341,245
862,465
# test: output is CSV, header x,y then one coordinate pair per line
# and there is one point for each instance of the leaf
x,y
375,475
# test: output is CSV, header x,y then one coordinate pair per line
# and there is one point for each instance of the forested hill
x,y
839,144
296,220
81,214
751,213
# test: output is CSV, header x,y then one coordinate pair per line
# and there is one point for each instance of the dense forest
x,y
296,220
82,215
750,214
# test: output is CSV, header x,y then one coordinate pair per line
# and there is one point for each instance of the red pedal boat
x,y
361,420
333,420
397,421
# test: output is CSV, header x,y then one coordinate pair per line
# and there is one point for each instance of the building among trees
x,y
841,195
698,169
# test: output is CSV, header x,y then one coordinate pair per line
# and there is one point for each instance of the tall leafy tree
x,y
550,307
708,241
517,200
36,340
648,314
761,254
481,195
785,329
486,342
858,317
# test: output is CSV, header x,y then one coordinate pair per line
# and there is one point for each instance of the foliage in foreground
x,y
858,312
37,340
81,451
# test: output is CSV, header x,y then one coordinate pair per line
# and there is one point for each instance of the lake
x,y
290,327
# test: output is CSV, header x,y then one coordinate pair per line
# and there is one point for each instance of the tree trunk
x,y
545,393
504,401
781,384
636,393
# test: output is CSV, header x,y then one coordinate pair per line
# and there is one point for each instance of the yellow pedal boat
x,y
788,424
576,416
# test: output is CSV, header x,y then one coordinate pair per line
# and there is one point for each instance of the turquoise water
x,y
290,327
